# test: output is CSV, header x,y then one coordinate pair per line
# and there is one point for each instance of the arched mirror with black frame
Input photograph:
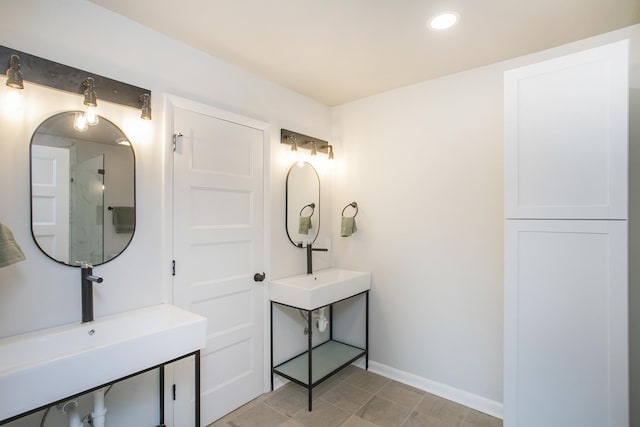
x,y
302,204
82,190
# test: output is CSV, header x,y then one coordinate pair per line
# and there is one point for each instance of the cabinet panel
x,y
566,136
566,355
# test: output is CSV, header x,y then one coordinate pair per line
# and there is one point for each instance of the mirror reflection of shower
x,y
86,210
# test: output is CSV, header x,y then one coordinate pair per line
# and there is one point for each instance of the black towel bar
x,y
310,205
353,205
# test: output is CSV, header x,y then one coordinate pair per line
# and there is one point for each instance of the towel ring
x,y
310,205
353,205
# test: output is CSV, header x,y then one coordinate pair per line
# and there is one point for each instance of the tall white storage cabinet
x,y
566,255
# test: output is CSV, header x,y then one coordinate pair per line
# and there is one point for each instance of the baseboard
x,y
479,403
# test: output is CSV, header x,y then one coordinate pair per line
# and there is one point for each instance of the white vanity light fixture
x,y
15,83
443,21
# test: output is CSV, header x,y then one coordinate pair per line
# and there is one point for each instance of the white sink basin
x,y
311,291
41,367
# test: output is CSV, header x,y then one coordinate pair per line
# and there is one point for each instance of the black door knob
x,y
259,277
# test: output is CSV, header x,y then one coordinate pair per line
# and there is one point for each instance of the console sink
x,y
41,367
311,291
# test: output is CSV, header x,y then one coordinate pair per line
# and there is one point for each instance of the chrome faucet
x,y
87,291
310,250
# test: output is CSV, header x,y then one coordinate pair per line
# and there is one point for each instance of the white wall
x,y
39,293
425,164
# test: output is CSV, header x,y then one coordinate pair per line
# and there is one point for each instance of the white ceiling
x,y
336,51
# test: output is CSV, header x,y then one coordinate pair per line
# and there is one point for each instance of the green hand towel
x,y
10,252
124,219
305,225
348,226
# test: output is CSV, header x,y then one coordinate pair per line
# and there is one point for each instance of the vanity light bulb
x,y
80,123
14,99
92,116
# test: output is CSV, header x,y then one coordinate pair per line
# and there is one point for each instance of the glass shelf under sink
x,y
326,359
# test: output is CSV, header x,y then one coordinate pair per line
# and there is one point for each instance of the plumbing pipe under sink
x,y
98,415
70,408
322,320
99,410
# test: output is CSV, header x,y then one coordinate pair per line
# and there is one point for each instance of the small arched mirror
x,y
302,204
82,190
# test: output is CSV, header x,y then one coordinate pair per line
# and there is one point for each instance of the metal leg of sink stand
x,y
310,382
271,322
197,386
366,338
161,369
330,321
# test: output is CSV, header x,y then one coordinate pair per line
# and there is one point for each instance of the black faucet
x,y
310,250
87,291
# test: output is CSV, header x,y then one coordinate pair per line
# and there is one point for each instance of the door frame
x,y
171,102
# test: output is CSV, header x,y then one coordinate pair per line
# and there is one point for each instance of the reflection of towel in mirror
x,y
305,225
10,252
348,226
124,219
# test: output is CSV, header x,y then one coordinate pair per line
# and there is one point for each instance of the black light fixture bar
x,y
303,141
59,76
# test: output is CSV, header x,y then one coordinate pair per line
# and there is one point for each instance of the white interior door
x,y
50,199
218,247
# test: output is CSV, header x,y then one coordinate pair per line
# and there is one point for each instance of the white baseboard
x,y
479,403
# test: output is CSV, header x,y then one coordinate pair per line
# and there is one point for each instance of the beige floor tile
x,y
368,381
224,421
288,400
259,415
347,397
433,407
347,371
422,420
401,394
478,419
383,413
356,421
292,423
323,415
318,390
353,389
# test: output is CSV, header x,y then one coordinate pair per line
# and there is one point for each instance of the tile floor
x,y
355,398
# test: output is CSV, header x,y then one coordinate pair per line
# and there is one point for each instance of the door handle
x,y
259,277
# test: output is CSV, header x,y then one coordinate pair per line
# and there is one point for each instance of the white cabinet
x,y
566,324
566,173
566,133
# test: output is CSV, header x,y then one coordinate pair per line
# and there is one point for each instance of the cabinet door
x,y
566,355
566,136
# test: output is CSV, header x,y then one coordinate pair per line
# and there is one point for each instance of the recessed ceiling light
x,y
443,21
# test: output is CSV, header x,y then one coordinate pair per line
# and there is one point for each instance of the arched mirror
x,y
302,204
82,190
